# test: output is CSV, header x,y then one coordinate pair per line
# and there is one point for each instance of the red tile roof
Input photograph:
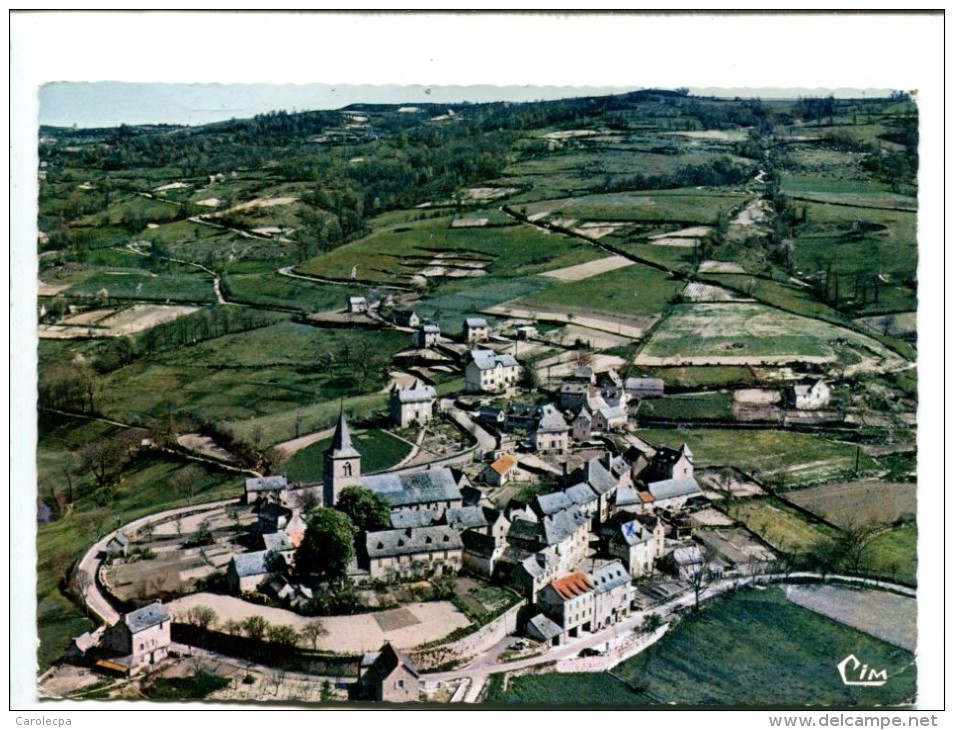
x,y
504,464
573,585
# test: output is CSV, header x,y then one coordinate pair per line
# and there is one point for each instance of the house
x,y
533,572
405,318
540,628
584,374
481,553
808,397
598,474
427,336
583,425
280,543
247,570
139,637
414,404
501,471
565,531
610,419
357,305
400,553
639,388
638,544
668,463
272,518
569,603
573,394
527,332
583,498
260,487
612,595
118,546
426,489
388,676
670,493
552,432
475,329
488,372
685,563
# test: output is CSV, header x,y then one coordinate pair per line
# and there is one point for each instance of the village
x,y
578,524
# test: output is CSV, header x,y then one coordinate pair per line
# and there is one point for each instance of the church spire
x,y
341,446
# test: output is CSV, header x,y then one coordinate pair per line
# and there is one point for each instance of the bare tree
x,y
312,631
700,571
185,482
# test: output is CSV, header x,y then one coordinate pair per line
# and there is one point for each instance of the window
x,y
399,684
347,469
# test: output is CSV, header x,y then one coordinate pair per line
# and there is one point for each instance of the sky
x,y
108,104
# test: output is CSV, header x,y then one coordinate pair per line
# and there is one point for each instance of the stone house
x,y
583,425
501,471
668,463
139,637
488,372
405,318
475,329
610,418
357,305
640,388
552,432
808,397
639,544
414,404
612,595
118,546
400,553
427,336
388,676
265,487
246,571
570,603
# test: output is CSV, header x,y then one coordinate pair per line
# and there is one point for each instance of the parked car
x,y
590,651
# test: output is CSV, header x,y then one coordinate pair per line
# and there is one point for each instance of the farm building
x,y
357,305
640,388
405,318
260,487
427,336
118,546
247,570
488,372
399,553
414,404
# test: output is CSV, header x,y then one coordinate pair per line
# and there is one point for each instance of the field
x,y
859,503
137,285
380,450
895,554
689,407
777,458
781,527
730,654
740,333
274,290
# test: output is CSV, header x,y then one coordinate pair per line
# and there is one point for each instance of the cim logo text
x,y
856,674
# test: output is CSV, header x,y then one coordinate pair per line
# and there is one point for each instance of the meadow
x,y
379,451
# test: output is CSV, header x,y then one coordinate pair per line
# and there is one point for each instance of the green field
x,y
777,458
779,525
704,406
753,648
688,206
136,285
700,333
704,376
274,290
379,451
895,554
633,290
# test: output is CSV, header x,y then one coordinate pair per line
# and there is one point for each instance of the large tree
x,y
368,511
328,546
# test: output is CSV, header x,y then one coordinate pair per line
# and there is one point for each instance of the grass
x,y
379,451
859,503
634,290
181,689
137,285
689,206
395,254
780,526
245,375
895,553
703,406
743,330
777,458
705,376
753,648
274,290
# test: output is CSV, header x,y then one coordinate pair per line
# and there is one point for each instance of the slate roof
x,y
431,329
488,359
633,533
536,565
265,484
551,421
146,617
417,393
548,504
599,477
609,577
249,564
278,541
627,496
417,487
341,446
572,586
644,385
562,525
403,518
672,488
544,627
691,555
412,541
273,512
474,322
120,539
521,529
666,456
613,414
574,387
466,518
386,662
581,494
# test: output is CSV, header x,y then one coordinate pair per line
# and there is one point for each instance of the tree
x,y
328,546
255,627
202,616
699,573
282,635
185,482
312,631
368,511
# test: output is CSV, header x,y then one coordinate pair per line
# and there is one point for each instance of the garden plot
x,y
469,222
718,483
698,292
710,517
738,333
781,527
738,546
141,317
204,445
598,230
720,267
868,502
589,269
685,238
886,616
50,290
625,329
485,194
94,316
564,364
